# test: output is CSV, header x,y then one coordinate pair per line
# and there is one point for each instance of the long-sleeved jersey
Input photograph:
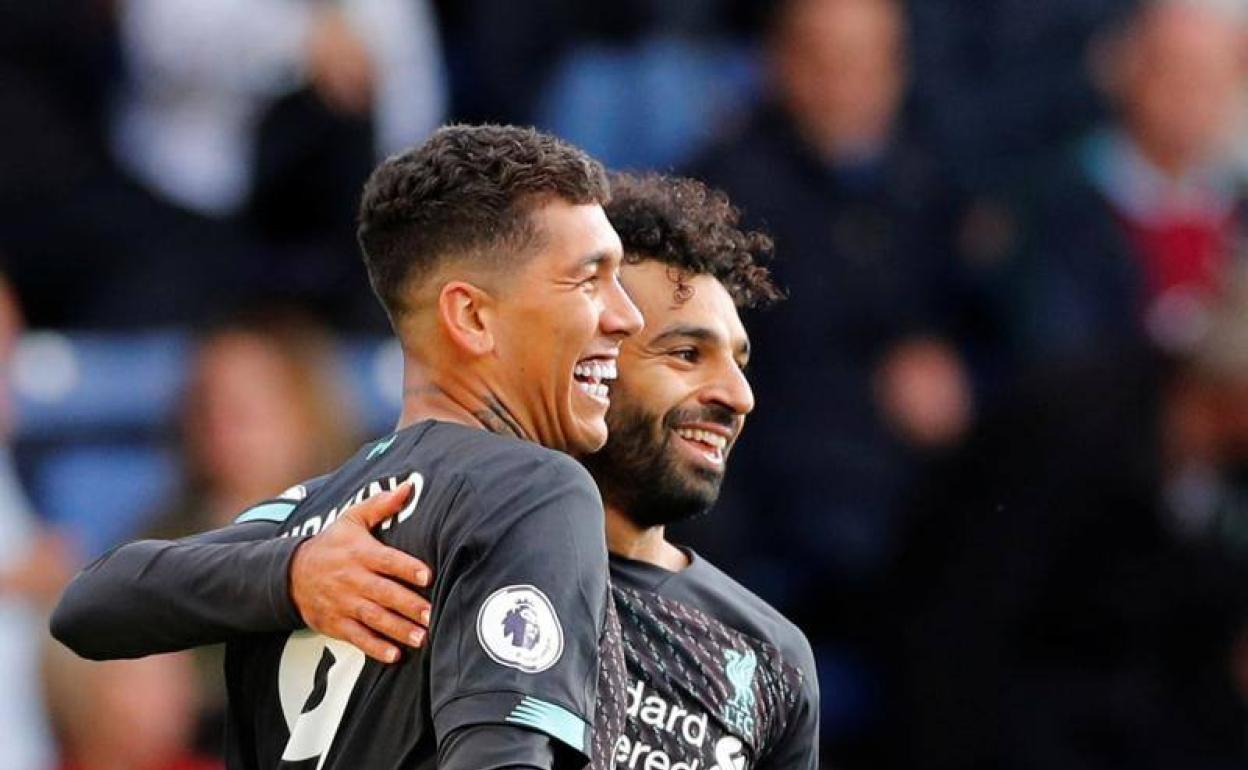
x,y
520,636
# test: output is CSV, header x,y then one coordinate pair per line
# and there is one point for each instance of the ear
x,y
466,313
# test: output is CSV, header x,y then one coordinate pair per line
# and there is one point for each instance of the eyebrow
x,y
699,333
593,261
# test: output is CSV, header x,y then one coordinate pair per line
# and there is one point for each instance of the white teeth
x,y
703,436
596,372
592,389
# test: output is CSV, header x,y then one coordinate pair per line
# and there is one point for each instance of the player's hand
x,y
348,585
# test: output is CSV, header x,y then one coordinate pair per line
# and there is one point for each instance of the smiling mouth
x,y
710,445
592,375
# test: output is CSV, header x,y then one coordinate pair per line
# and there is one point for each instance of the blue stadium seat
x,y
70,385
649,106
97,420
104,494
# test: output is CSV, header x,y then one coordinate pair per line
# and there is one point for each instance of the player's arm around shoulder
x,y
515,636
155,596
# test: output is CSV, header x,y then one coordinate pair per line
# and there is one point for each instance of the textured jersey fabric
x,y
514,534
718,680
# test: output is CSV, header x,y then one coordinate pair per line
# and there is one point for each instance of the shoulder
x,y
520,462
278,508
507,481
507,467
486,464
741,608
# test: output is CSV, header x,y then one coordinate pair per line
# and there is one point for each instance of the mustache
x,y
714,414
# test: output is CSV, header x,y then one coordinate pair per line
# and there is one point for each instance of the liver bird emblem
x,y
740,672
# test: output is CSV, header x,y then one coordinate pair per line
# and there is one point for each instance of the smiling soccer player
x,y
718,680
489,248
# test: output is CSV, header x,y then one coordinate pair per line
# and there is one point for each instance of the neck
x,y
648,544
428,397
1173,162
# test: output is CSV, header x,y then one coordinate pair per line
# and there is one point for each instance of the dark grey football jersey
x,y
718,680
521,626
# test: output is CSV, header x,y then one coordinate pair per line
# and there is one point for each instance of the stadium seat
x,y
97,416
652,105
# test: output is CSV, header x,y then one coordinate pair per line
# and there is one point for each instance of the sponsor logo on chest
x,y
662,735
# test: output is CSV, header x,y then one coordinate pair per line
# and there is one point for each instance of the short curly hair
x,y
689,226
465,193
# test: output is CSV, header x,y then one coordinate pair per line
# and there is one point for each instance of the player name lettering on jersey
x,y
316,524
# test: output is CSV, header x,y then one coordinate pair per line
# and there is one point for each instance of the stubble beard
x,y
639,472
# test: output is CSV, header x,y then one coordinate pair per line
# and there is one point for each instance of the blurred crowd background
x,y
999,467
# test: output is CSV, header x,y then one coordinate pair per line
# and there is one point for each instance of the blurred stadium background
x,y
999,468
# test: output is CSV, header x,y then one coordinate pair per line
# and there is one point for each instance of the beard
x,y
641,473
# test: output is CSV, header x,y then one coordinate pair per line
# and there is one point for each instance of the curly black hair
x,y
689,226
466,192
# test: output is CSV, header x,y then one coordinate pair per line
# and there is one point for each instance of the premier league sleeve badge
x,y
518,627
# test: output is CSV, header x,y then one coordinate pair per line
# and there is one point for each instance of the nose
x,y
732,390
620,317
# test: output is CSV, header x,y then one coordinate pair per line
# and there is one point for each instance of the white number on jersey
x,y
315,680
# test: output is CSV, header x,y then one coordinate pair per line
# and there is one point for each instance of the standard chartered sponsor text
x,y
686,728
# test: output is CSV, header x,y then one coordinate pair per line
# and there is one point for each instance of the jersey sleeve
x,y
490,747
515,640
799,747
154,596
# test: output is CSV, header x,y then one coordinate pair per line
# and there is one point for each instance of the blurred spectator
x,y
859,377
999,83
638,83
1132,237
1205,457
1205,499
269,116
1070,599
55,68
1074,596
34,566
229,165
505,53
202,74
125,714
861,230
263,409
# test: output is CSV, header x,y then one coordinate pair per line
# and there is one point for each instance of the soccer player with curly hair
x,y
717,679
